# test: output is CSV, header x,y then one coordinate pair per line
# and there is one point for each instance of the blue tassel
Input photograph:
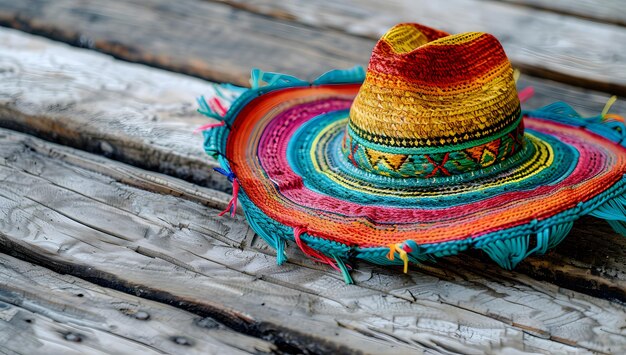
x,y
277,243
355,74
509,252
255,78
229,174
344,270
232,91
555,111
550,237
562,112
206,110
543,241
258,77
613,209
618,226
558,233
614,212
215,140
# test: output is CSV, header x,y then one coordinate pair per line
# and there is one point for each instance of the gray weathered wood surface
x,y
43,312
176,251
97,256
210,40
201,37
146,117
127,112
605,11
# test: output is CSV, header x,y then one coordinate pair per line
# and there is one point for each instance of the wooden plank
x,y
24,332
62,210
221,43
127,112
606,11
205,39
41,310
543,44
109,228
137,114
34,99
587,102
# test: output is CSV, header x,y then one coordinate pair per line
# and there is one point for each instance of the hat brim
x,y
284,147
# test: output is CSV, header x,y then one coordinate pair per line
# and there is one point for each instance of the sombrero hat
x,y
426,154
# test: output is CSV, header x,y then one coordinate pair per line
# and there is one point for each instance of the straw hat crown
x,y
434,100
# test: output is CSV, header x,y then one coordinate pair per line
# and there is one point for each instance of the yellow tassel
x,y
397,248
608,105
392,251
404,258
516,75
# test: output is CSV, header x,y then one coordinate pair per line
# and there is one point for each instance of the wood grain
x,y
205,39
127,112
25,332
543,44
137,114
62,210
605,11
45,312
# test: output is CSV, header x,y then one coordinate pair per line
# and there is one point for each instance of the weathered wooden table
x,y
109,239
